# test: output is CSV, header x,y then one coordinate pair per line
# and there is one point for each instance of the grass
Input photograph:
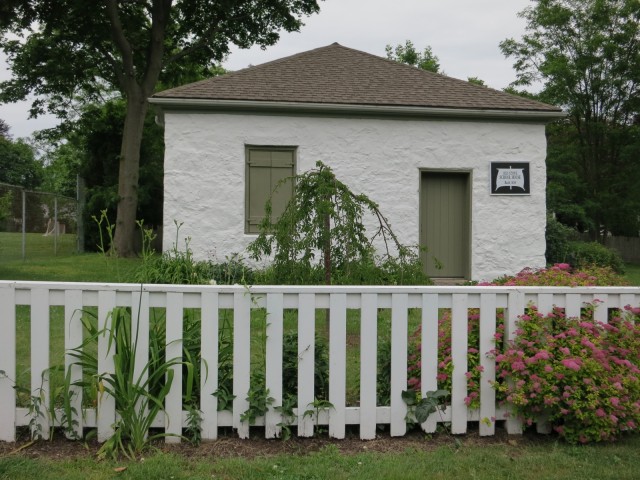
x,y
37,245
633,273
523,460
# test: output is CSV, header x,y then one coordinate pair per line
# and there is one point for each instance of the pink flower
x,y
600,412
572,364
518,366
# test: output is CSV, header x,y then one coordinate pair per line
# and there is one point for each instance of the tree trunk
x,y
128,173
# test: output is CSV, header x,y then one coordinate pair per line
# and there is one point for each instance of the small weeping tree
x,y
321,238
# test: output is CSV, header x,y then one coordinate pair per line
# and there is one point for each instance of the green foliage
x,y
18,164
419,408
558,237
6,200
92,150
259,402
321,238
290,366
587,56
408,54
584,254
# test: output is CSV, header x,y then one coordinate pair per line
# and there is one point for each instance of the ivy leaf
x,y
425,408
410,397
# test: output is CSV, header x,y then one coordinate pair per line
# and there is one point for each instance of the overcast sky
x,y
464,35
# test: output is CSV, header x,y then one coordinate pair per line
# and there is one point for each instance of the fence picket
x,y
209,365
429,353
368,365
488,364
602,308
174,333
40,361
459,345
515,308
337,364
241,359
399,302
73,339
273,363
106,414
8,363
140,338
306,360
573,305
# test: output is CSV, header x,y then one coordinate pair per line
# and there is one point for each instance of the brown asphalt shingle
x,y
339,75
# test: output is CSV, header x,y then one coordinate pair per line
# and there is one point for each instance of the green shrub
x,y
583,254
558,237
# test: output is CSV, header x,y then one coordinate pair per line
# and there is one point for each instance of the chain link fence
x,y
37,224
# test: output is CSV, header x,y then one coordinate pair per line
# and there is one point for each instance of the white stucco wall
x,y
204,177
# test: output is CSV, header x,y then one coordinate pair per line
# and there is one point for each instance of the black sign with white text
x,y
510,178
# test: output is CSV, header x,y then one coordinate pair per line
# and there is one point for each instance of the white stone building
x,y
454,166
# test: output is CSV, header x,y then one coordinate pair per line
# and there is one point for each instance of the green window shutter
x,y
265,169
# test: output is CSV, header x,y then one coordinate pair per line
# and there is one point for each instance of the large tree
x,y
65,50
586,53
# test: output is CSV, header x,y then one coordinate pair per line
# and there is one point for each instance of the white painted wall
x,y
205,169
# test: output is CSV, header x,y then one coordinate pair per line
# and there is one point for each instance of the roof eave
x,y
351,109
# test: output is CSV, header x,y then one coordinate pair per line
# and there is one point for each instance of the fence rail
x,y
34,302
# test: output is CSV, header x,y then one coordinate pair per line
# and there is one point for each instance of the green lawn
x,y
633,273
520,459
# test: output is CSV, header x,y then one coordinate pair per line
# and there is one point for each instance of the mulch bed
x,y
230,446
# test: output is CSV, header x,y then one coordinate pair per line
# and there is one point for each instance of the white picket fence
x,y
210,300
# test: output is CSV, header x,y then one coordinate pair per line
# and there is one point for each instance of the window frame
x,y
293,149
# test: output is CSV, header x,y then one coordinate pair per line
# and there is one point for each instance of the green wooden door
x,y
445,223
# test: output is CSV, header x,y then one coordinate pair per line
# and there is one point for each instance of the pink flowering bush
x,y
558,275
562,275
583,375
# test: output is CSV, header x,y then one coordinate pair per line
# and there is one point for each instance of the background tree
x,y
587,55
407,53
92,151
4,129
18,164
70,49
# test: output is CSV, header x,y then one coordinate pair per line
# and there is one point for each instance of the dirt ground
x,y
231,446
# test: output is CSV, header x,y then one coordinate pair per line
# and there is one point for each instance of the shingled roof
x,y
339,75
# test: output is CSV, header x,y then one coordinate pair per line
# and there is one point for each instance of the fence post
x,y
80,197
24,224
